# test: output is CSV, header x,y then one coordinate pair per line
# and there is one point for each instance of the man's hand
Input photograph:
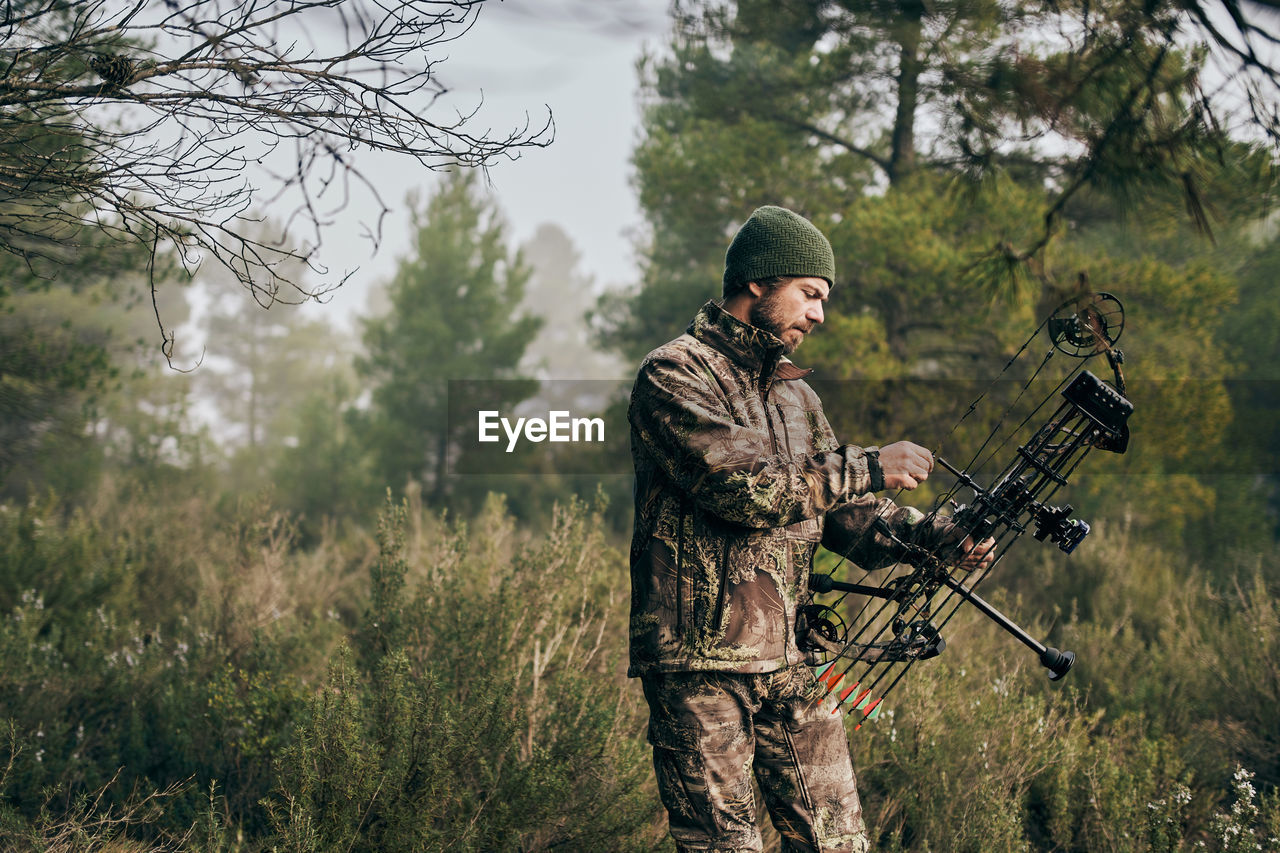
x,y
905,465
976,557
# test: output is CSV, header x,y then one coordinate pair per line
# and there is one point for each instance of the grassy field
x,y
179,678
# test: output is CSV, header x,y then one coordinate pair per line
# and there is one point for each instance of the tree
x,y
453,315
271,363
822,104
164,123
948,257
269,360
77,388
323,474
562,296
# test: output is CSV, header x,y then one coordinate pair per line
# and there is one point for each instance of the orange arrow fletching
x,y
844,694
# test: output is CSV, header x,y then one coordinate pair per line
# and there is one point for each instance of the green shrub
x,y
123,672
1175,684
483,707
458,684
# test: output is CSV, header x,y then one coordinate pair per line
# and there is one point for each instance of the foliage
x,y
1249,824
326,475
85,824
265,360
1044,118
1249,333
78,389
47,369
974,166
148,121
561,296
474,696
979,752
451,316
460,723
148,648
279,379
165,683
186,667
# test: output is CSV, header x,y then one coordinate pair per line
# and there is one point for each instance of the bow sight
x,y
1092,414
906,626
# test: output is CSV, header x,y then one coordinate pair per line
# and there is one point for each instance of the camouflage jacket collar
x,y
754,349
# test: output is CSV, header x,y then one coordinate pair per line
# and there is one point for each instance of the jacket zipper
x,y
680,579
789,578
768,420
724,583
786,438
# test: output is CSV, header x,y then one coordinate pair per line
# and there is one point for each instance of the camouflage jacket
x,y
739,478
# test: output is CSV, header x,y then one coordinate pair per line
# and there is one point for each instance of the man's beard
x,y
767,314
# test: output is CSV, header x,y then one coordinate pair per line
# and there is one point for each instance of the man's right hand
x,y
905,465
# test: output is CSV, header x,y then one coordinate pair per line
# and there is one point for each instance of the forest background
x,y
294,627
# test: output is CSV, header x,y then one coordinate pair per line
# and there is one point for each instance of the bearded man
x,y
739,478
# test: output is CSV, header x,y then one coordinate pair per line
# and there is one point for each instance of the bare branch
x,y
162,122
809,127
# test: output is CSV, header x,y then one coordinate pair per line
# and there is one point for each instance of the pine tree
x,y
453,315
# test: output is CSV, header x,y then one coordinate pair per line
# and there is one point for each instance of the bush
x,y
177,679
483,706
125,671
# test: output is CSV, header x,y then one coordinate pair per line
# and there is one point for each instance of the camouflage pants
x,y
710,730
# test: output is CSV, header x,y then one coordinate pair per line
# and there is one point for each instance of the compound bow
x,y
902,619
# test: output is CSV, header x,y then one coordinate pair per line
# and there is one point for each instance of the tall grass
x,y
480,708
1174,694
179,678
468,693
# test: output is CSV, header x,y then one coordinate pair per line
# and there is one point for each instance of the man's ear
x,y
757,290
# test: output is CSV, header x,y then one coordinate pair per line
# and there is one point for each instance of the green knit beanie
x,y
775,241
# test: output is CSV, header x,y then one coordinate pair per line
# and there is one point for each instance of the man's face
x,y
791,309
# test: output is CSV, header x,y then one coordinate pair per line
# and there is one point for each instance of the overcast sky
x,y
576,57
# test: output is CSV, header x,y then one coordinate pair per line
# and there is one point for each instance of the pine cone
x,y
116,71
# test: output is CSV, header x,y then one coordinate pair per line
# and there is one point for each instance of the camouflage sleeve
x,y
846,531
734,471
846,528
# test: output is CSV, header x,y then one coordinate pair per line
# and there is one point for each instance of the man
x,y
738,479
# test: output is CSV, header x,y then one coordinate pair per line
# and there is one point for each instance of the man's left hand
x,y
976,557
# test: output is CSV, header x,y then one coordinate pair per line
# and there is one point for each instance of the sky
x,y
523,57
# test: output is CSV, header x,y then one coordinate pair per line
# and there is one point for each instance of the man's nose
x,y
815,313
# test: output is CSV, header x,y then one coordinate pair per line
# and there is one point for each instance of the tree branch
x,y
100,127
807,127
